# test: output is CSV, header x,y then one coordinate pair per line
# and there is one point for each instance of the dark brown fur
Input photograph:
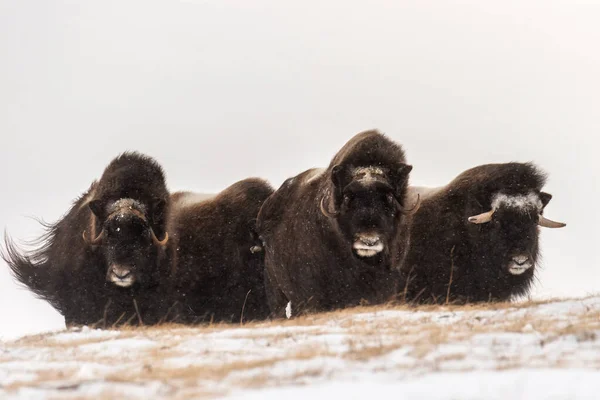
x,y
216,276
442,238
71,274
309,257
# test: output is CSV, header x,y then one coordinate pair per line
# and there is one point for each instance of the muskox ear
x,y
158,209
337,175
338,178
157,214
545,198
400,178
96,208
404,170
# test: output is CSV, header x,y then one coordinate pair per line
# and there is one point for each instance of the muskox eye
x,y
346,199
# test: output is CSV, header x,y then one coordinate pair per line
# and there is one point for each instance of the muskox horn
x,y
548,223
326,212
482,218
97,241
412,210
159,242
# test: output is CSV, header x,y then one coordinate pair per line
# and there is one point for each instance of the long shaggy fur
x,y
216,258
451,259
308,260
70,274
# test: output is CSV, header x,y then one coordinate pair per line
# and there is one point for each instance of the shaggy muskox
x,y
102,261
476,239
216,258
337,237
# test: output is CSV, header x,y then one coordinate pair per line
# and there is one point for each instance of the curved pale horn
x,y
548,223
482,218
97,241
326,212
412,210
159,242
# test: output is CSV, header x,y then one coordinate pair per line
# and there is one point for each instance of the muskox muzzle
x,y
519,264
368,245
120,275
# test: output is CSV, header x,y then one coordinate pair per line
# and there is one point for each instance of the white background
x,y
221,90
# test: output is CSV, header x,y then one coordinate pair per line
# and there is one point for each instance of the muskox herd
x,y
355,233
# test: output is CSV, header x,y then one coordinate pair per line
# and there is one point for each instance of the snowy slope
x,y
519,351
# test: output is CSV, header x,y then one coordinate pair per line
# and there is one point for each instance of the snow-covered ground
x,y
519,351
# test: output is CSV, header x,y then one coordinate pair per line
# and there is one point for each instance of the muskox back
x,y
336,237
216,261
456,256
71,273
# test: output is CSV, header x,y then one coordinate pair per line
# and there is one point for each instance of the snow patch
x,y
522,351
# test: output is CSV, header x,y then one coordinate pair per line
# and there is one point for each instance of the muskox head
x,y
367,203
127,240
507,234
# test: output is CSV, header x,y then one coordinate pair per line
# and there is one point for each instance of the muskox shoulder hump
x,y
134,175
139,163
514,176
183,199
312,175
249,189
414,193
370,148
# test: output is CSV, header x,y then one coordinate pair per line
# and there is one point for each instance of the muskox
x,y
216,257
476,239
335,238
104,261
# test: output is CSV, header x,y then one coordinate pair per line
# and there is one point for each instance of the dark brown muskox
x,y
216,258
335,238
476,239
102,261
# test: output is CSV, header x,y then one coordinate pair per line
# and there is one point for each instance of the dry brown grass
x,y
358,341
320,318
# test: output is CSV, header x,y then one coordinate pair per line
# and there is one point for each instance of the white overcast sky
x,y
220,90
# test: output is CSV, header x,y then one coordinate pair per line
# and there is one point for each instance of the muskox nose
x,y
368,245
521,260
519,264
370,240
121,274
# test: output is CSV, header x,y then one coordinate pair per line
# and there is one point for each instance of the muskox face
x,y
127,241
368,204
508,234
